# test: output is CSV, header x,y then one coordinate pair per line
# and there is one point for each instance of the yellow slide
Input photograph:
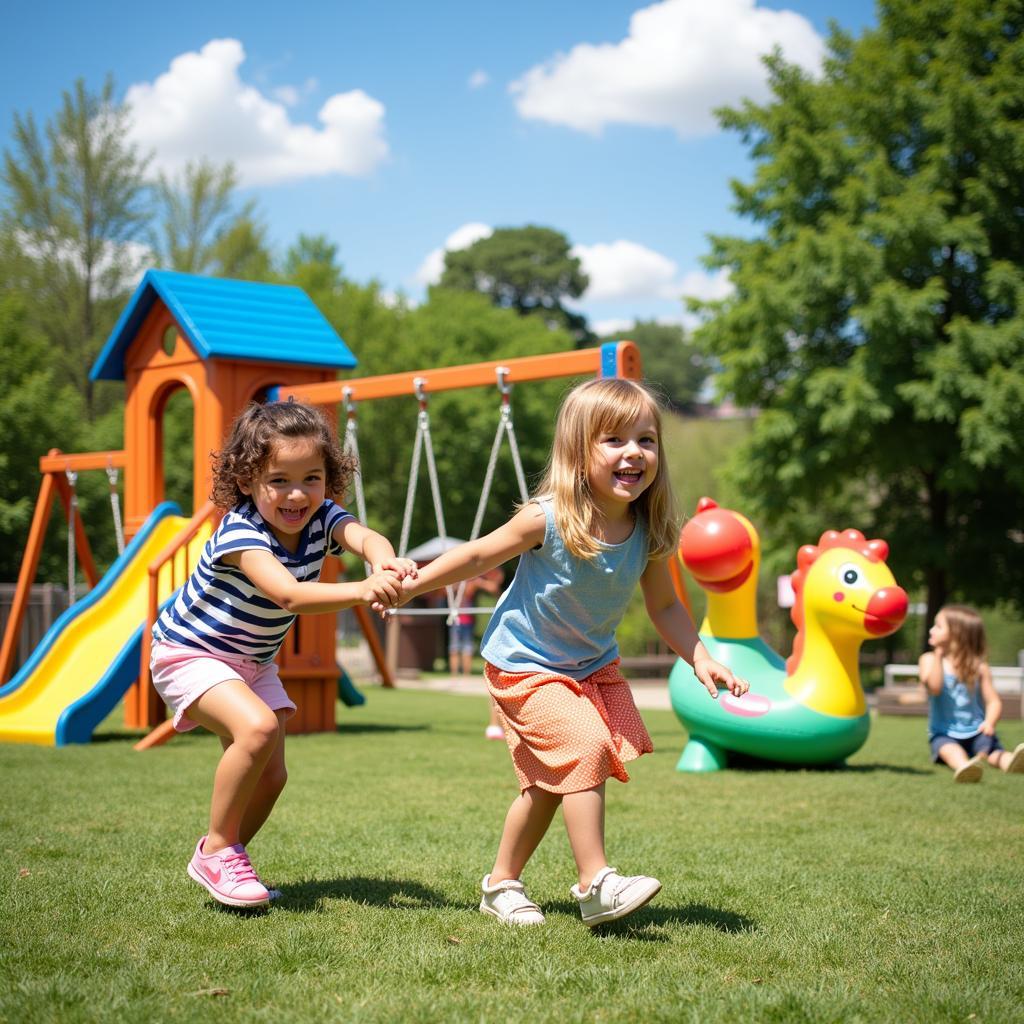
x,y
90,656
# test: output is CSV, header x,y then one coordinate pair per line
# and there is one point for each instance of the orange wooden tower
x,y
227,343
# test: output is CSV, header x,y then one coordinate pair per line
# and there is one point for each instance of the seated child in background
x,y
963,706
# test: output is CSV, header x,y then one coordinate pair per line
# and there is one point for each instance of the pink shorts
x,y
182,675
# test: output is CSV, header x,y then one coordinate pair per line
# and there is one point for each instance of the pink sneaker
x,y
229,876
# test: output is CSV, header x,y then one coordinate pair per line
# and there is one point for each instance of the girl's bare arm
x,y
929,669
523,531
271,578
676,628
990,698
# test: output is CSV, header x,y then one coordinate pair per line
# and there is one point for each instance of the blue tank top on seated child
x,y
957,711
220,610
561,612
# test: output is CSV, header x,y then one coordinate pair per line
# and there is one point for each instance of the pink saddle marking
x,y
750,705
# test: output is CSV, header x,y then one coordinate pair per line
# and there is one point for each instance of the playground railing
x,y
167,572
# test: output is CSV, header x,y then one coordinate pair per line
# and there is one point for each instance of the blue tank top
x,y
957,711
560,612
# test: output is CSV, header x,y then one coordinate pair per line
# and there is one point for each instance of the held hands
x,y
403,568
714,675
381,589
406,587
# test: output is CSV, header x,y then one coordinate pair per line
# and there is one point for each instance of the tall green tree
x,y
75,206
878,317
195,212
670,360
530,270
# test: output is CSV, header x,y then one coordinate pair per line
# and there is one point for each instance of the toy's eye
x,y
849,574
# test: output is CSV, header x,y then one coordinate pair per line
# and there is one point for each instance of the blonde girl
x,y
214,646
603,520
963,706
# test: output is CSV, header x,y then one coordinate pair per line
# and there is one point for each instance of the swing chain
x,y
350,446
506,427
115,508
72,478
424,441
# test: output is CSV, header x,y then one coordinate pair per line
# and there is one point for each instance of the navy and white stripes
x,y
219,610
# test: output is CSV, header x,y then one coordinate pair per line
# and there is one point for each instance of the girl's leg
x,y
525,825
268,788
232,711
584,821
953,754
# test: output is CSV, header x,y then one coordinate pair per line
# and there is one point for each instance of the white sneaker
x,y
970,771
612,896
508,902
494,732
1016,762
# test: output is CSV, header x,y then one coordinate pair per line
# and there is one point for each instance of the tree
x,y
196,214
312,264
76,206
878,318
242,251
670,361
528,269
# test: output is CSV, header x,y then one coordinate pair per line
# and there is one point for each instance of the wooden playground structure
x,y
230,343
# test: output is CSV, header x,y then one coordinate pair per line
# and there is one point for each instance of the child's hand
x,y
381,590
988,728
714,675
401,567
406,587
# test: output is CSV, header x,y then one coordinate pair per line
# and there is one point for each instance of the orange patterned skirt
x,y
567,735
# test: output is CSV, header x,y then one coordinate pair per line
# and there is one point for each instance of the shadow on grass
x,y
646,924
742,763
397,894
371,727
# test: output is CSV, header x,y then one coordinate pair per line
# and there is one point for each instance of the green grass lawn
x,y
878,893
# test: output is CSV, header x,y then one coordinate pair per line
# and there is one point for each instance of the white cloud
x,y
478,79
626,270
681,59
287,94
617,325
201,108
707,287
432,267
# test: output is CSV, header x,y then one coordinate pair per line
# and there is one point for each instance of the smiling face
x,y
623,464
290,489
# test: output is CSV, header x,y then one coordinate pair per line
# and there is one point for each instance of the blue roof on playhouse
x,y
267,323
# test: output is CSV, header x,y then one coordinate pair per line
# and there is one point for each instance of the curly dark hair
x,y
250,444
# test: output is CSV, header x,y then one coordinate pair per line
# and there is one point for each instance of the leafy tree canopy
x,y
528,269
198,229
76,204
878,317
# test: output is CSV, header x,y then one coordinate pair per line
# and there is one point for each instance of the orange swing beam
x,y
615,359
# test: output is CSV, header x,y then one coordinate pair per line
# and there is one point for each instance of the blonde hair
x,y
604,405
968,647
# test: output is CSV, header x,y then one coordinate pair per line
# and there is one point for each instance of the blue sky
x,y
397,128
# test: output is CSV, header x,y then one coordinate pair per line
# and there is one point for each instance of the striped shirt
x,y
220,610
